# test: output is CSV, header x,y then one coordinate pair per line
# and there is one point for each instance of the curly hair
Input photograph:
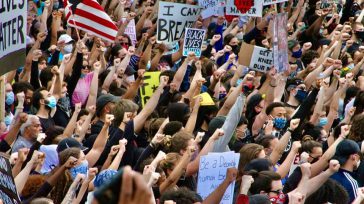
x,y
357,128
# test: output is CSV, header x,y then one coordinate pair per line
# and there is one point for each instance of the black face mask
x,y
235,49
360,34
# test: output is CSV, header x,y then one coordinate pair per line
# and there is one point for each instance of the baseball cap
x,y
103,177
68,143
103,100
344,149
292,83
65,37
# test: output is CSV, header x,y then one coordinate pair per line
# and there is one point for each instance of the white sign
x,y
13,22
269,2
254,11
211,7
173,18
262,59
212,172
131,32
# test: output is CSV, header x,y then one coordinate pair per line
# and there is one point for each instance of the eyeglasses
x,y
276,191
86,67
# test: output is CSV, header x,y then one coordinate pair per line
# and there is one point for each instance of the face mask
x,y
351,66
322,122
360,34
52,102
240,36
68,48
235,49
222,96
80,169
321,32
82,75
300,95
279,199
7,120
279,123
9,98
55,5
297,54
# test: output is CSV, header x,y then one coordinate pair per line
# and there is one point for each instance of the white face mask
x,y
68,48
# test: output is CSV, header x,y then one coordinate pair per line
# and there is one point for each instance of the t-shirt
x,y
21,142
46,123
349,181
82,90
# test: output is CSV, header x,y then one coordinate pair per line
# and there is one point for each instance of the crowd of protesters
x,y
75,129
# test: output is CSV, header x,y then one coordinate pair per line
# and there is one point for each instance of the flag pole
x,y
74,22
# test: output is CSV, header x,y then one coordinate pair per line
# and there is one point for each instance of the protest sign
x,y
206,99
269,2
212,172
193,41
150,84
254,57
131,31
8,192
211,7
13,21
280,47
255,10
173,18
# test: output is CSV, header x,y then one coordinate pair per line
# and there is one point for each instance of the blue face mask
x,y
82,76
52,102
9,98
301,95
297,54
80,169
55,5
322,122
279,123
7,120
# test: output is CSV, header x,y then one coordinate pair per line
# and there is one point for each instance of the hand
x,y
228,48
114,150
71,162
232,57
131,50
231,174
246,182
198,65
199,137
296,197
41,36
157,139
304,157
345,129
351,111
296,146
190,150
152,40
328,62
92,173
160,156
265,42
20,96
217,134
345,36
191,57
79,46
122,144
79,178
131,16
116,62
23,117
134,190
294,124
41,137
36,157
215,38
163,81
334,166
37,54
91,110
360,193
97,66
78,108
108,119
22,154
307,46
219,54
306,169
338,64
55,70
349,43
337,74
141,73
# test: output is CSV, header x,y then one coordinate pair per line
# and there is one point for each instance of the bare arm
x,y
68,131
91,101
99,145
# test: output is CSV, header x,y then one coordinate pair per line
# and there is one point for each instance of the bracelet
x,y
289,130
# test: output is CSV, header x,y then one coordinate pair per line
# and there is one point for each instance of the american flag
x,y
89,16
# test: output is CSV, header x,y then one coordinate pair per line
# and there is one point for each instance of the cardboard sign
x,y
206,99
211,7
173,18
193,41
13,22
256,58
280,46
131,31
8,192
270,2
212,172
255,11
151,83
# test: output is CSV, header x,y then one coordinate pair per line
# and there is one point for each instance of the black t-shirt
x,y
46,123
293,180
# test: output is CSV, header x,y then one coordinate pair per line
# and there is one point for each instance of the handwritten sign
x,y
13,21
254,57
280,47
151,83
8,192
212,172
193,41
211,7
131,31
255,11
173,18
270,2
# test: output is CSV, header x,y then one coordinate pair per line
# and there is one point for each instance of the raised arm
x,y
116,162
91,101
72,124
22,177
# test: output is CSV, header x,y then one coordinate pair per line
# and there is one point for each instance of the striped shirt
x,y
349,181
